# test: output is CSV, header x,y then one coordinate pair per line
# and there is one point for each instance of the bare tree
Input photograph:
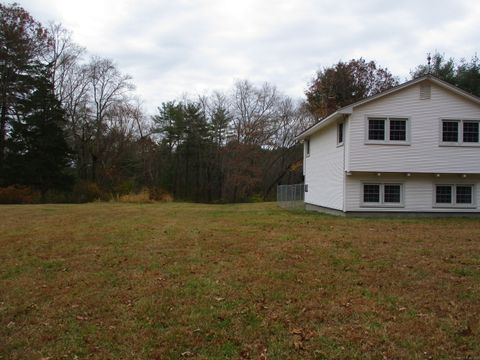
x,y
254,112
108,87
64,56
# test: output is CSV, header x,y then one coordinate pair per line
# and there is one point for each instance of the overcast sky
x,y
194,46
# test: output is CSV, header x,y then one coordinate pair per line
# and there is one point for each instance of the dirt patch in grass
x,y
172,281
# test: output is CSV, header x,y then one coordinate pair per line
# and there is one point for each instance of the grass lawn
x,y
174,281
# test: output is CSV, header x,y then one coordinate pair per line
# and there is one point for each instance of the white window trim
x,y
343,133
453,204
460,142
382,203
307,147
387,141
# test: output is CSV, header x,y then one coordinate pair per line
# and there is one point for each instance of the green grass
x,y
155,281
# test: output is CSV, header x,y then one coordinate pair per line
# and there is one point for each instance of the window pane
x,y
391,194
340,133
450,131
464,194
371,193
470,132
376,129
398,129
443,194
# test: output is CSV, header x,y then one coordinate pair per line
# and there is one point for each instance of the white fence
x,y
291,196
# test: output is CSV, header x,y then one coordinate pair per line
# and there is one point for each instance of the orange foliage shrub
x,y
18,194
161,195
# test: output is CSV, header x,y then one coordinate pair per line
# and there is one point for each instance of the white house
x,y
413,148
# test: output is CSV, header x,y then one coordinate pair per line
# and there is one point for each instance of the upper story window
x,y
460,132
450,131
387,130
398,129
307,147
376,129
470,131
340,133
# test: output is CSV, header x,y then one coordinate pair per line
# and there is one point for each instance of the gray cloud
x,y
173,47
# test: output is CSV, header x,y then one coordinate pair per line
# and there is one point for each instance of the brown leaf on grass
x,y
297,331
297,342
298,337
465,332
263,355
245,354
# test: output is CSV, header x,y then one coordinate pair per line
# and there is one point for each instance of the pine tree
x,y
37,152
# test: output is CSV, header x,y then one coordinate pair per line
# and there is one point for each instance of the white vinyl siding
x,y
418,191
424,155
324,170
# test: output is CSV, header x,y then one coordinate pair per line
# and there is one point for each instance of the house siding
x,y
324,170
418,191
423,155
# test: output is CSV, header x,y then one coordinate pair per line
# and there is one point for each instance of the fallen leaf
x,y
297,342
465,332
297,331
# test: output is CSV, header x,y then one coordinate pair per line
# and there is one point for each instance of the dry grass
x,y
171,281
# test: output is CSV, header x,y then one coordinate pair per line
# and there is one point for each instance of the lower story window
x,y
444,194
454,195
371,193
392,193
382,194
463,194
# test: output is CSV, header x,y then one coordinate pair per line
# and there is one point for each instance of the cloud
x,y
173,47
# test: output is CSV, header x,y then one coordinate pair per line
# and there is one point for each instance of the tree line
x,y
73,129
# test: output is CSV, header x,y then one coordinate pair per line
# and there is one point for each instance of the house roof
x,y
347,110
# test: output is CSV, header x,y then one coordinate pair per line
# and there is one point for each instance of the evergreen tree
x,y
37,154
464,74
23,41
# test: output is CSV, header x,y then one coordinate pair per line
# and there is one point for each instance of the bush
x,y
157,194
57,197
146,196
18,194
125,187
87,191
141,197
256,198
